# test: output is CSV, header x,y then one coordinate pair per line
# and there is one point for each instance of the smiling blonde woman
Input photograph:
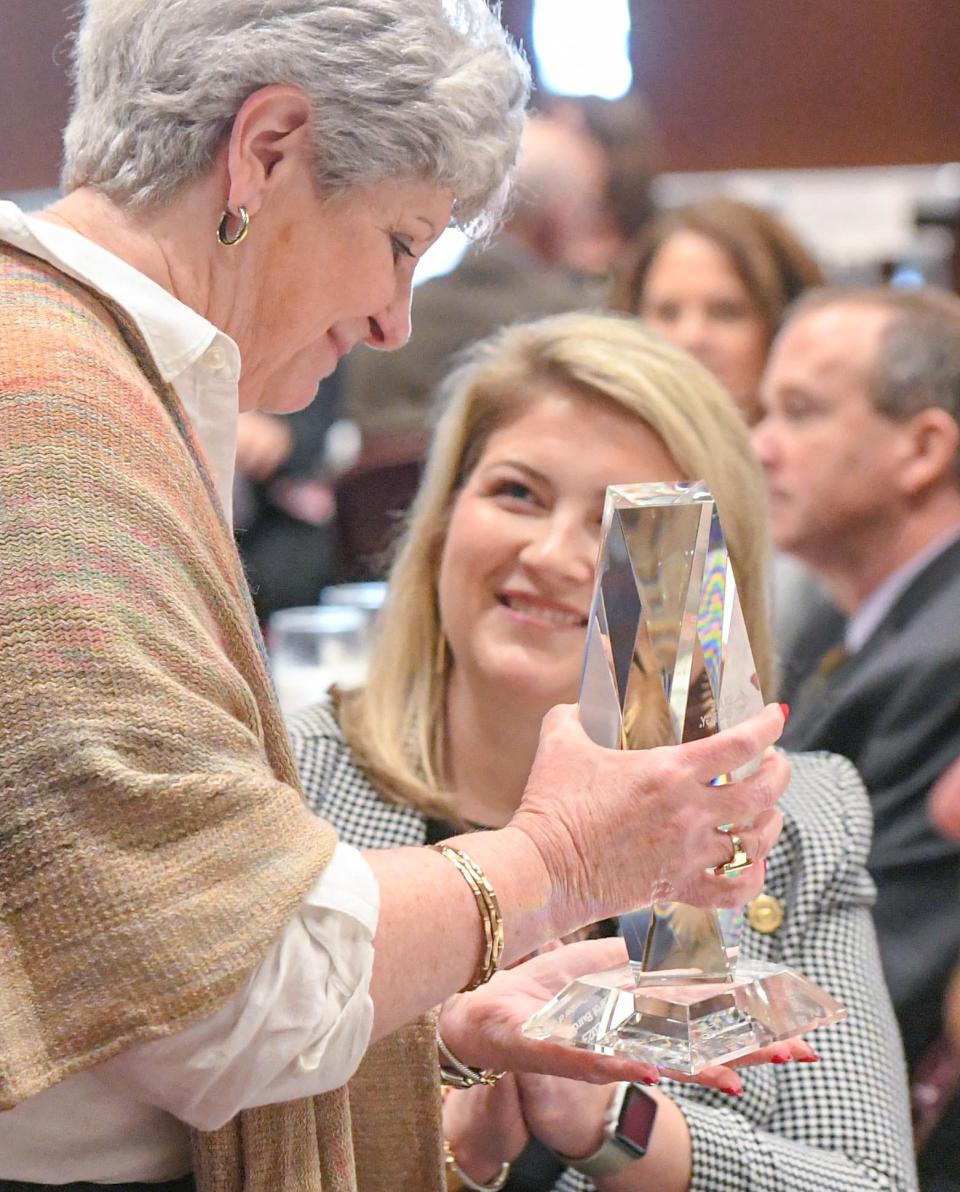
x,y
483,633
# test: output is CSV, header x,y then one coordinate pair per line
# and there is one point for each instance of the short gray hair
x,y
917,365
400,89
918,356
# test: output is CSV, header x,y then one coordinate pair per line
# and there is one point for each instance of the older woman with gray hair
x,y
191,965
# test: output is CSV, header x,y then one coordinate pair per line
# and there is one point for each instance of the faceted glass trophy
x,y
668,660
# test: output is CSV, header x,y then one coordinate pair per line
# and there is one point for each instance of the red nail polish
x,y
808,1059
785,709
732,1090
780,1058
650,1080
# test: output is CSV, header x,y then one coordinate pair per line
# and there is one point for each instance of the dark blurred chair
x,y
371,499
284,526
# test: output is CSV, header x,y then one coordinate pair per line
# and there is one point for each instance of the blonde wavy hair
x,y
396,724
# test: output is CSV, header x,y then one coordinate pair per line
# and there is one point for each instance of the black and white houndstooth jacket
x,y
838,1126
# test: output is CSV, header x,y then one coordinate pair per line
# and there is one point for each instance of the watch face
x,y
635,1123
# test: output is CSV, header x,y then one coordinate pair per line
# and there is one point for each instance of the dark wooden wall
x,y
757,83
795,83
731,83
33,90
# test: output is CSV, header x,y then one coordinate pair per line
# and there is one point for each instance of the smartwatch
x,y
627,1126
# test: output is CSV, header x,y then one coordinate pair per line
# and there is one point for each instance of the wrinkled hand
x,y
483,1028
725,1078
618,829
264,444
567,1115
485,1128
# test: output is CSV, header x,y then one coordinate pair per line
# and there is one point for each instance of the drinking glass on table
x,y
368,597
313,648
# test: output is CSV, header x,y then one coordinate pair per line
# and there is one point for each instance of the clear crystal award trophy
x,y
667,660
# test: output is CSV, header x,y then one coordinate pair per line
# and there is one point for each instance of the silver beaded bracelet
x,y
457,1075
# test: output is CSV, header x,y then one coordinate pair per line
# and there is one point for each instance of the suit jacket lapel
x,y
819,696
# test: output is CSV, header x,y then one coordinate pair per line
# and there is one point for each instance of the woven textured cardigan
x,y
153,837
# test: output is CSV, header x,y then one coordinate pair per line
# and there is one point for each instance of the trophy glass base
x,y
684,1025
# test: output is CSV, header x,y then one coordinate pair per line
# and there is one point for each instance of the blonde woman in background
x,y
715,278
483,632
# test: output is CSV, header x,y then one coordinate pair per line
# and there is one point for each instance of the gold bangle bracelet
x,y
457,1178
491,919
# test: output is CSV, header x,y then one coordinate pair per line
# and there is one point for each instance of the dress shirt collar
x,y
191,354
866,620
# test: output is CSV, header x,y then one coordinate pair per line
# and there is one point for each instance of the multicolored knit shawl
x,y
153,839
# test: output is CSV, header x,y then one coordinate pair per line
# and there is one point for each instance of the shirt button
x,y
765,914
216,358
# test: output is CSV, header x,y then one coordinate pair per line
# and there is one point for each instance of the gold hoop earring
x,y
222,231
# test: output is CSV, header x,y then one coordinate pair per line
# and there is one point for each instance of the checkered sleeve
x,y
337,789
841,1125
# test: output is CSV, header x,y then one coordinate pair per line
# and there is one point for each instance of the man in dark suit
x,y
861,446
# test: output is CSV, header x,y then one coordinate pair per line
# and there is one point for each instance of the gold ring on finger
x,y
738,863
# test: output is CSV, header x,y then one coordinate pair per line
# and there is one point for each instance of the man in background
x,y
860,442
624,131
